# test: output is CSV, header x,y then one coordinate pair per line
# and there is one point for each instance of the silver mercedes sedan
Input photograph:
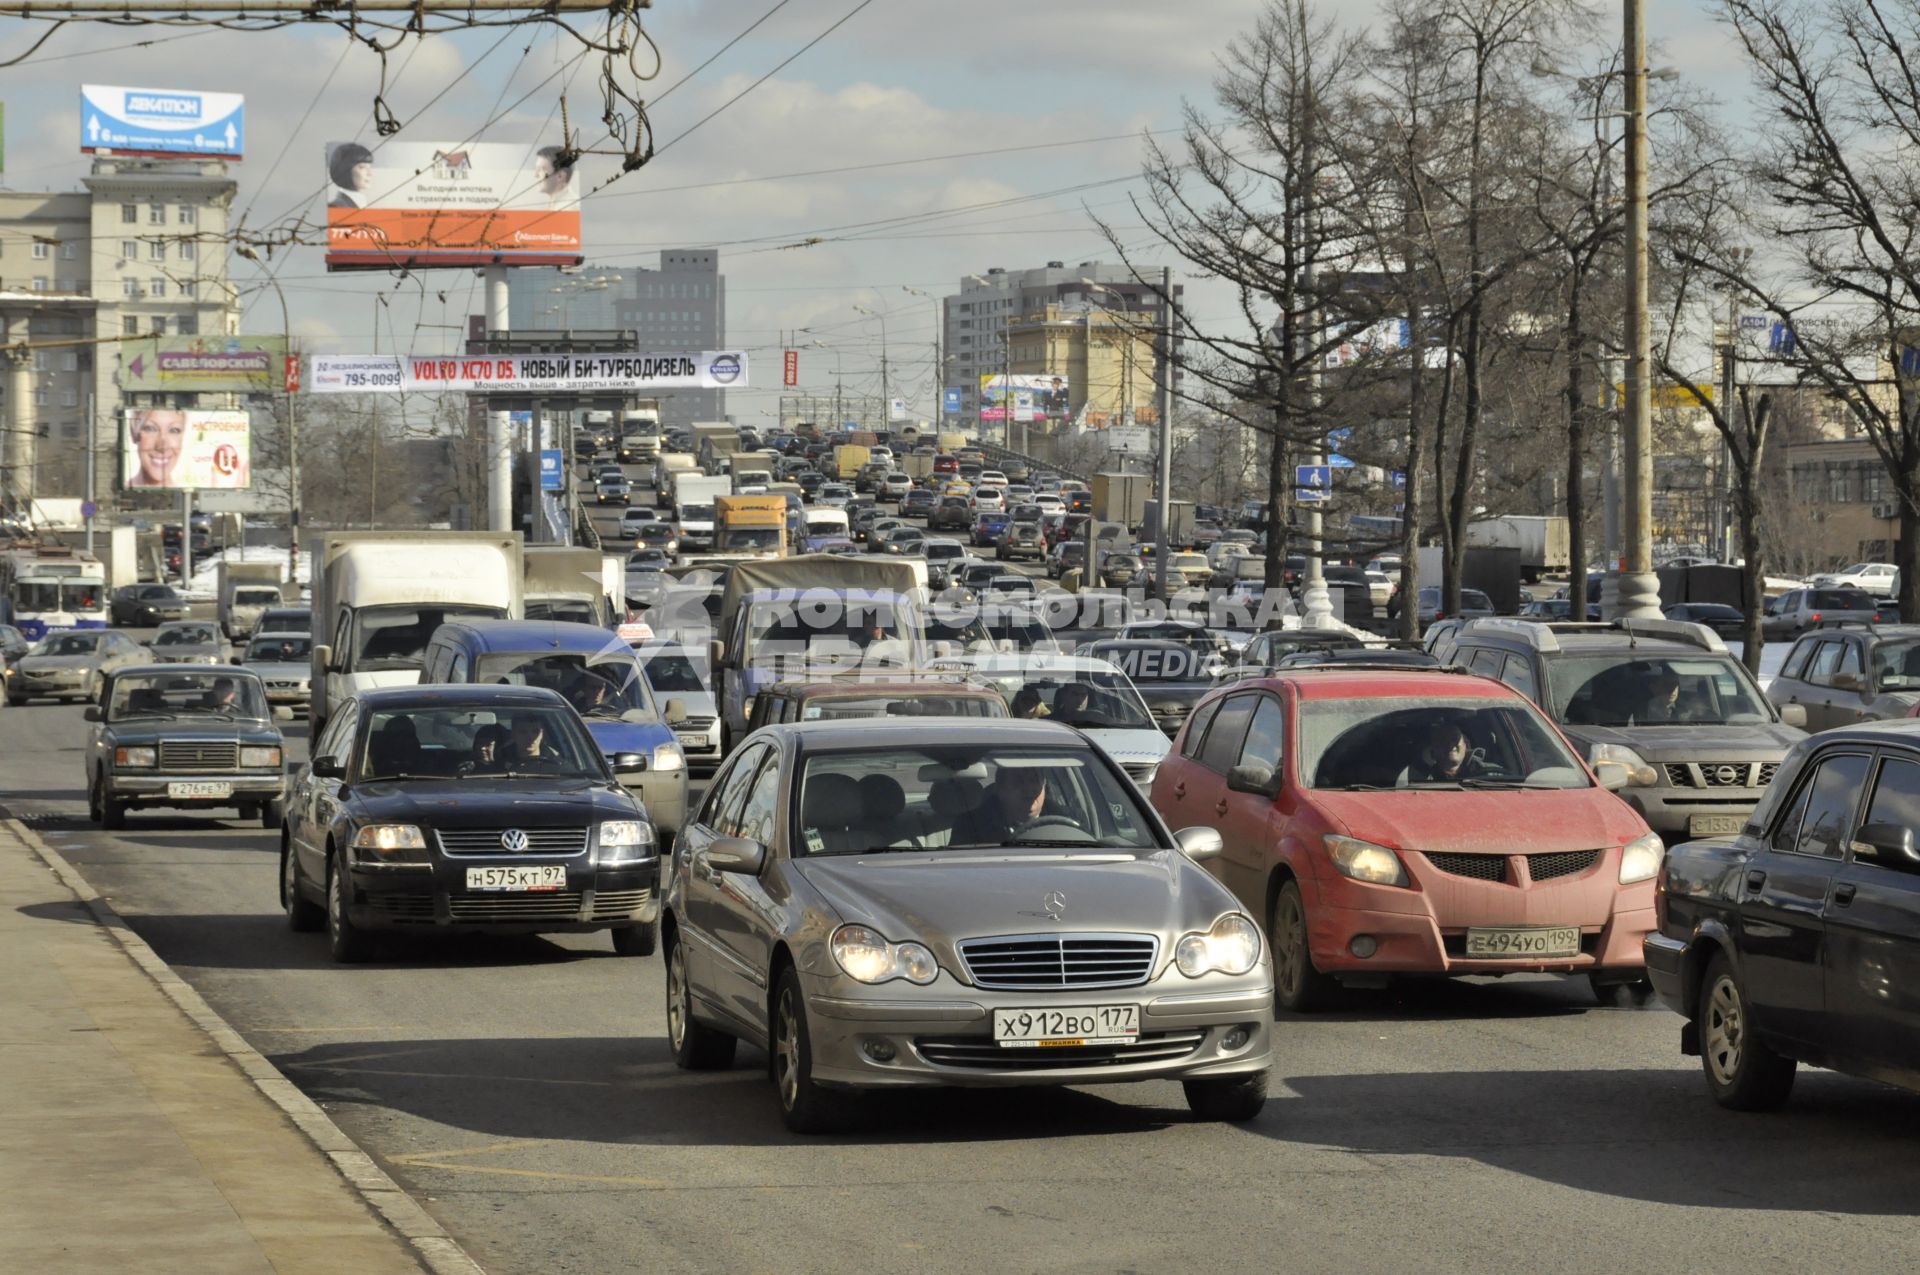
x,y
882,904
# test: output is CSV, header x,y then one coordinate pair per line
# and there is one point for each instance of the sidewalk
x,y
131,1140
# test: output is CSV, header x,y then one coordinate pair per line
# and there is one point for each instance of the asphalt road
x,y
522,1089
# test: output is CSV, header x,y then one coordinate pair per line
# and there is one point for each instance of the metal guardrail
x,y
995,452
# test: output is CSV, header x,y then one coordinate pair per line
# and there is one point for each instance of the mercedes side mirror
x,y
1794,715
1200,844
1263,781
736,854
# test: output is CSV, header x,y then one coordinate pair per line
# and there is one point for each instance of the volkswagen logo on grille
x,y
1726,774
513,841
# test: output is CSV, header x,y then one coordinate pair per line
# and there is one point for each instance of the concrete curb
x,y
438,1252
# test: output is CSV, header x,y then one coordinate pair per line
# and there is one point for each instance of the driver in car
x,y
1017,800
530,743
1447,757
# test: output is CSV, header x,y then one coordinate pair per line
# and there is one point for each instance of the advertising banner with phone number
x,y
527,373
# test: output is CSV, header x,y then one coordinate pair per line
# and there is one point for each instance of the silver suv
x,y
1699,739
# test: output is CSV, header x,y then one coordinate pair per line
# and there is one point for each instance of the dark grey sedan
x,y
991,903
1171,676
188,738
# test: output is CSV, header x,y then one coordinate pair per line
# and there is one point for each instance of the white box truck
x,y
379,595
246,590
693,509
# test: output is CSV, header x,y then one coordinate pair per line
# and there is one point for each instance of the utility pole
x,y
1638,594
499,436
92,495
1316,606
1162,523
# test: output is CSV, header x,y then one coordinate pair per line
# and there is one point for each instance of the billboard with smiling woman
x,y
175,449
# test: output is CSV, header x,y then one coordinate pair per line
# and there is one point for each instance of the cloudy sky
x,y
1058,92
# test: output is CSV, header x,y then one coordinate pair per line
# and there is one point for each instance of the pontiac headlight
x,y
1364,861
1638,771
1232,946
868,958
259,758
137,756
668,757
625,839
1640,859
392,840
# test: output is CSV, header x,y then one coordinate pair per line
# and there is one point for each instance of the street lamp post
x,y
293,433
886,390
1638,589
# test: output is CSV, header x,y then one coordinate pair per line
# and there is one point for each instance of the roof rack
x,y
1546,637
1244,672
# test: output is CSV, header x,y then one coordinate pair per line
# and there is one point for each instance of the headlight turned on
x,y
1232,946
1640,859
1364,861
867,957
622,840
392,842
668,757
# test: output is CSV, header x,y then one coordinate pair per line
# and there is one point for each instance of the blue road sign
x,y
1312,483
1399,480
1338,461
552,473
950,402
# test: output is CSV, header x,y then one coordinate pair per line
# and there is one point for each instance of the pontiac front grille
x,y
192,754
1493,867
1481,867
1545,867
486,842
1039,962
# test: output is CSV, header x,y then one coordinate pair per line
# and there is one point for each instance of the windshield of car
x,y
1418,742
966,797
1172,662
66,644
255,597
1896,665
396,637
825,627
962,627
596,686
1628,688
1094,699
287,622
833,708
1025,632
280,650
185,695
696,513
671,672
186,635
478,743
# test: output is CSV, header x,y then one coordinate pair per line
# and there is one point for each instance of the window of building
x,y
187,249
40,398
40,249
189,289
70,361
188,325
156,214
69,398
39,360
39,283
156,250
130,287
189,215
63,285
157,286
129,214
69,251
160,325
129,327
1839,484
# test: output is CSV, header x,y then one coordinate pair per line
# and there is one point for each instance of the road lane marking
x,y
438,1159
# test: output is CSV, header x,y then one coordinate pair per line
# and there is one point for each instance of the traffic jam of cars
x,y
903,816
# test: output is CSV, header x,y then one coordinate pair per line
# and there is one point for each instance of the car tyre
x,y
348,943
636,940
696,1047
1616,995
273,814
304,916
1297,985
110,813
1235,1099
1742,1073
807,1106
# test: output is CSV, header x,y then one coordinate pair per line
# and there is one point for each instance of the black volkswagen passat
x,y
444,808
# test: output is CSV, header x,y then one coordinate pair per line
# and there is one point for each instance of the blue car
x,y
597,673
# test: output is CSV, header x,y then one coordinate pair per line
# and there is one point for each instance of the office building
x,y
681,305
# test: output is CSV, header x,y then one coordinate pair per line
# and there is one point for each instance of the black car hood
x,y
492,802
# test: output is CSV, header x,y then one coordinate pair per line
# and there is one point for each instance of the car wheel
x,y
349,943
112,815
696,1047
93,800
807,1107
1231,1098
636,940
1617,995
1742,1073
273,814
1297,985
304,916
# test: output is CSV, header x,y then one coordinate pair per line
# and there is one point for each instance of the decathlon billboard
x,y
169,123
450,204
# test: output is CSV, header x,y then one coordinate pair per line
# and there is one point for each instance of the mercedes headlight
x,y
1364,861
1638,771
625,839
259,758
1640,859
866,957
143,755
668,756
1232,946
401,842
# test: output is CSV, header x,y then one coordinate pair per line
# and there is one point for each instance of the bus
x,y
45,588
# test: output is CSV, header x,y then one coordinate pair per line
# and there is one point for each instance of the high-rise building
x,y
141,251
682,305
1092,325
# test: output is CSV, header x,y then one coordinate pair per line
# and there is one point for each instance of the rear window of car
x,y
1843,600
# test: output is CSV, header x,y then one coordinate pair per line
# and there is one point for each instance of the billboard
x,y
1035,397
218,364
527,373
450,204
175,449
171,123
